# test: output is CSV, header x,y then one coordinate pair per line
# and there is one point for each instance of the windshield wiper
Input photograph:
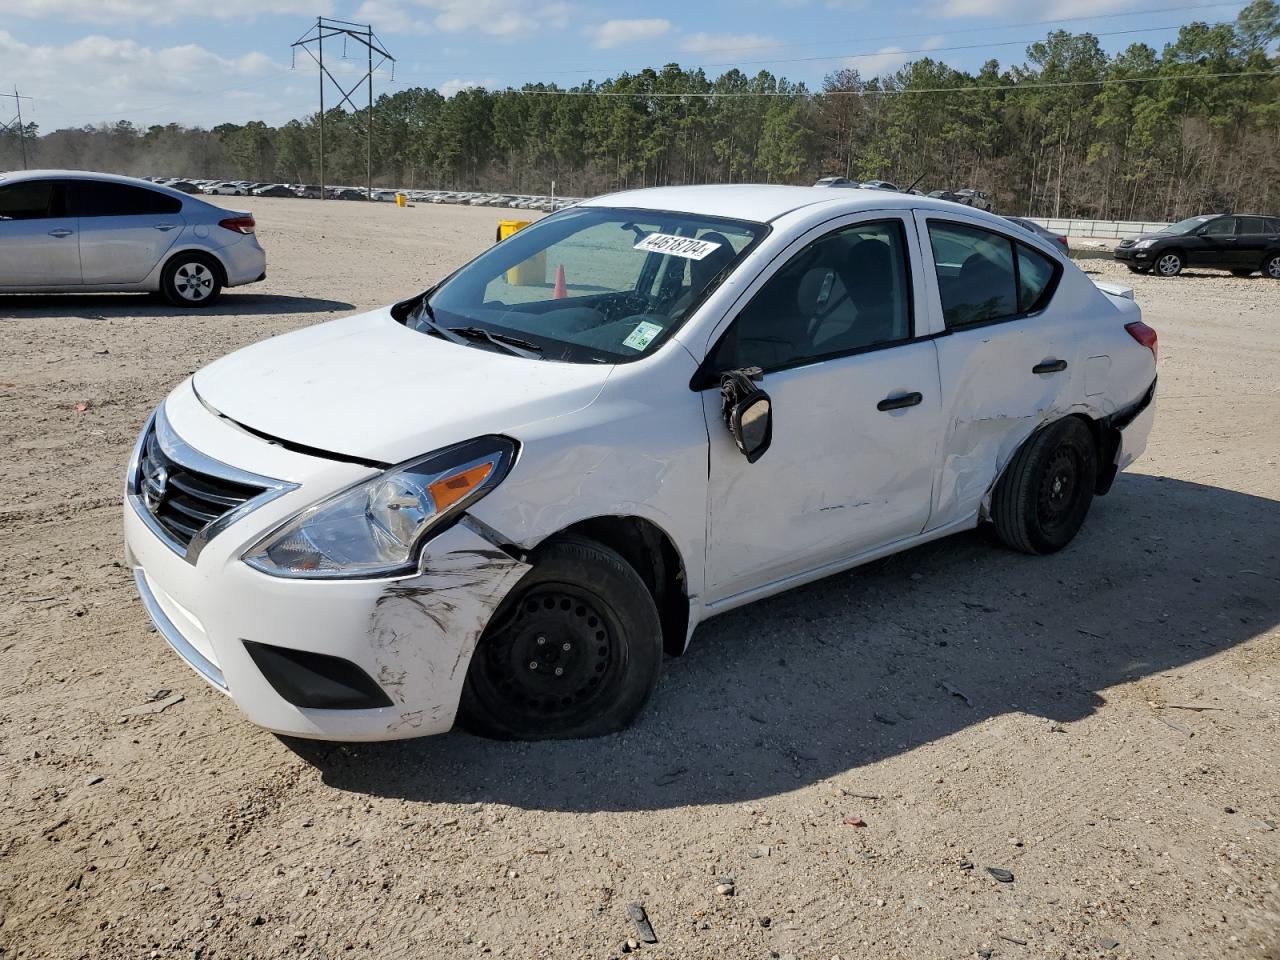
x,y
513,345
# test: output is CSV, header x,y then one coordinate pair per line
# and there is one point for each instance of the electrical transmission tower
x,y
325,28
17,124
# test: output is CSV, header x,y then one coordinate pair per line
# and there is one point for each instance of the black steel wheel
x,y
574,651
1043,496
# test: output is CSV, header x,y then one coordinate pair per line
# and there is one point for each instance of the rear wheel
x,y
575,650
1043,496
190,280
1169,264
1271,267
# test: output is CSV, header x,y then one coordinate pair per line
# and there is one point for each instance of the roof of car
x,y
762,203
16,176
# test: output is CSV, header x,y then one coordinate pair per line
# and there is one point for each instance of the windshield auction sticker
x,y
642,335
686,247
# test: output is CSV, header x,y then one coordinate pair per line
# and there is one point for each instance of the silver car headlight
x,y
1143,244
377,527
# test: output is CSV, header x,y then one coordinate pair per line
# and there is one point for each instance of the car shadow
x,y
95,306
830,677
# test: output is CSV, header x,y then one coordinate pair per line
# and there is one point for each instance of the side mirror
x,y
747,412
1202,232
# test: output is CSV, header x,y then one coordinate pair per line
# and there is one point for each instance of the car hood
x,y
369,387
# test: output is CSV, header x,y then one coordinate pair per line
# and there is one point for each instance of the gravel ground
x,y
1102,723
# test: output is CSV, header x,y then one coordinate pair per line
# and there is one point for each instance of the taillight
x,y
238,224
1063,241
1145,336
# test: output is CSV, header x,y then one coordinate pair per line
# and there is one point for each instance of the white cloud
x,y
450,87
113,11
100,79
388,16
1054,8
496,17
884,61
615,33
727,43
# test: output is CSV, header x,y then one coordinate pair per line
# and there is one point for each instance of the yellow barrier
x,y
531,272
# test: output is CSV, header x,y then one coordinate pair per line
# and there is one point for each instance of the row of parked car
x,y
311,191
977,199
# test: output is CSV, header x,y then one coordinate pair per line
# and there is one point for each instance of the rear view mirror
x,y
747,412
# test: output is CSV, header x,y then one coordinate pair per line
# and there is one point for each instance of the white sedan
x,y
226,190
502,500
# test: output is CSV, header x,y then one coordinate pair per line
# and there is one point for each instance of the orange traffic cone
x,y
560,292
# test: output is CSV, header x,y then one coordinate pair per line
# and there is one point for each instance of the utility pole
x,y
22,131
362,33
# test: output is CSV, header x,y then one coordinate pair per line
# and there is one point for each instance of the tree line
x,y
1072,131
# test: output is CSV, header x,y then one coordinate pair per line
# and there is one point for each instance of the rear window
x,y
26,200
985,276
89,198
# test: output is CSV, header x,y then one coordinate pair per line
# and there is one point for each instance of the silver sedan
x,y
67,231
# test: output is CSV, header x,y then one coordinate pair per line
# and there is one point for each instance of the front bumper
x,y
412,636
1134,256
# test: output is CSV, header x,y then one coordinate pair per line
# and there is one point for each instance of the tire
x,y
1242,273
191,280
1133,269
1043,496
574,651
1169,264
1271,266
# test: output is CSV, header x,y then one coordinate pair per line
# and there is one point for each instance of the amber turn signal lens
x,y
449,490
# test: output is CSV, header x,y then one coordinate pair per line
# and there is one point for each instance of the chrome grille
x,y
184,501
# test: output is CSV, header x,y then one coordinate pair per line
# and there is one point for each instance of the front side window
x,y
1222,227
26,200
848,291
590,284
985,276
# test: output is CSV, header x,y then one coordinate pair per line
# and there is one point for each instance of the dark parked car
x,y
1041,231
1241,243
946,195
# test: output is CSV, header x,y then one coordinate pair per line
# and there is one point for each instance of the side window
x,y
1222,227
1035,273
1249,226
977,278
27,200
103,199
847,291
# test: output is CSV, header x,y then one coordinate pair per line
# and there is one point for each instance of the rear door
x,y
124,230
38,240
1252,241
1005,361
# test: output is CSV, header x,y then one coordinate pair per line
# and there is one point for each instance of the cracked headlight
x,y
376,528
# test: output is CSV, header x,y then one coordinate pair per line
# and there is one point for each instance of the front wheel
x,y
1272,266
574,651
190,280
1169,264
1043,495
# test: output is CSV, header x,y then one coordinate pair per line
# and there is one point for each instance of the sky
x,y
203,62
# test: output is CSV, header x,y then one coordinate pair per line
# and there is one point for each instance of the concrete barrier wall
x,y
1101,229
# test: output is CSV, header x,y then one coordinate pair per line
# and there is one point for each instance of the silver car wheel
x,y
193,281
1169,265
1273,268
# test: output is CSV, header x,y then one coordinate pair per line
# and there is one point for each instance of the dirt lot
x,y
1112,739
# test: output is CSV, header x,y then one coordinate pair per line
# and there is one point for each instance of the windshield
x,y
589,284
1187,225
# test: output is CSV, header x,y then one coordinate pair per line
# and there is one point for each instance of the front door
x,y
124,230
855,411
1214,245
39,243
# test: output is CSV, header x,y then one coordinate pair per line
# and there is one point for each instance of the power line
x,y
22,130
979,88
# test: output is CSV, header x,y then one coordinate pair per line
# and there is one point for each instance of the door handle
x,y
898,402
164,226
60,233
1050,366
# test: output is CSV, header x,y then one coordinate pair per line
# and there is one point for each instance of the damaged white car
x,y
501,501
